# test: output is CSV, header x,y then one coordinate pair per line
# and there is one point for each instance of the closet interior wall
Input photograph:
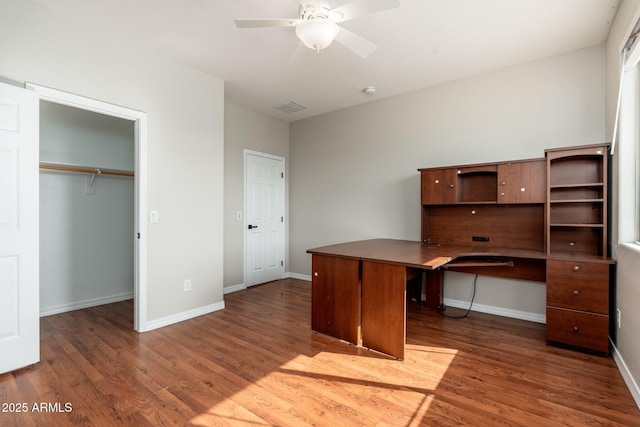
x,y
86,221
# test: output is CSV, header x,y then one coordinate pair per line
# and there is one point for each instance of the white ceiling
x,y
420,44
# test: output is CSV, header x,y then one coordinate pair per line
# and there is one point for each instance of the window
x,y
628,148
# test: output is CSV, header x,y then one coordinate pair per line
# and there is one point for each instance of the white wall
x,y
185,111
354,172
627,296
74,136
245,129
86,240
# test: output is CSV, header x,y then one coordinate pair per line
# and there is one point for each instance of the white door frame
x,y
247,152
140,184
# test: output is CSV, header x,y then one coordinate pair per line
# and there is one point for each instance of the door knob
x,y
252,226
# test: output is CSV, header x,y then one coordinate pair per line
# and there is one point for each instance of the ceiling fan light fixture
x,y
317,33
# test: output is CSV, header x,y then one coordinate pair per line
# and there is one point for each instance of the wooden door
x,y
19,258
522,182
438,186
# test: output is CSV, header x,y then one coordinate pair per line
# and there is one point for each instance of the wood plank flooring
x,y
257,363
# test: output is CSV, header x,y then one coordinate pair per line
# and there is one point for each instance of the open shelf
x,y
478,187
576,201
576,239
576,170
577,225
576,213
589,191
581,185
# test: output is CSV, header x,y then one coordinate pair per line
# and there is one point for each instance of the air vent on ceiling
x,y
289,107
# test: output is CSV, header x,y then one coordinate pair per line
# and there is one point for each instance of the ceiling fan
x,y
317,23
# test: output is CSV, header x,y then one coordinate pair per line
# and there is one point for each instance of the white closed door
x,y
264,218
19,262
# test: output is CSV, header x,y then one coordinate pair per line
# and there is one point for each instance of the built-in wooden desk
x,y
543,220
359,288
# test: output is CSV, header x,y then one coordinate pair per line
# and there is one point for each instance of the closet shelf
x,y
84,169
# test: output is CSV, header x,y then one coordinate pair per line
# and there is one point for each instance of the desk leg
x,y
435,280
384,307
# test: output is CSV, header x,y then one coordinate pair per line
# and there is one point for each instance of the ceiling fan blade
x,y
359,8
354,42
254,23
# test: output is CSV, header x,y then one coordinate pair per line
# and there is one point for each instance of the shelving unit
x,y
577,201
576,241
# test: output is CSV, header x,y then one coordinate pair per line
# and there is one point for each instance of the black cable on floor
x,y
475,280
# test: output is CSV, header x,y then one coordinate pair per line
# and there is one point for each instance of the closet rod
x,y
83,169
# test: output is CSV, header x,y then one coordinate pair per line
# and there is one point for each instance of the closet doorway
x,y
100,180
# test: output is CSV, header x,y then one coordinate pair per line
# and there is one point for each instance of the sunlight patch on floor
x,y
228,412
421,413
313,386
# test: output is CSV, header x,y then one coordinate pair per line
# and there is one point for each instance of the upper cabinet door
x,y
522,182
439,186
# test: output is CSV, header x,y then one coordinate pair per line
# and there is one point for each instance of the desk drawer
x,y
578,285
585,295
579,329
579,270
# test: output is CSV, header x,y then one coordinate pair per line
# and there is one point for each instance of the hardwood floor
x,y
257,363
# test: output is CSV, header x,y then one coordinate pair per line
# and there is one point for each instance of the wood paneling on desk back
x,y
506,226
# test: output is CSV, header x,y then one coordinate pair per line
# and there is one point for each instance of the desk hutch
x,y
539,219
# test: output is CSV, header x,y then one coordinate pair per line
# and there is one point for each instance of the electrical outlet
x,y
619,318
187,285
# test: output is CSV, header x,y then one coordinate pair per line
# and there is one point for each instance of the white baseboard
x,y
234,288
298,276
185,315
626,375
498,311
77,305
242,286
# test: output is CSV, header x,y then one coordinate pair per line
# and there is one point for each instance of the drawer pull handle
x,y
576,292
451,185
576,268
576,329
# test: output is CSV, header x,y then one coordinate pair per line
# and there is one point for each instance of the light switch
x,y
154,217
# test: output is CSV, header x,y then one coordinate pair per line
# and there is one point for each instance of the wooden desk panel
x,y
384,307
335,297
505,226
